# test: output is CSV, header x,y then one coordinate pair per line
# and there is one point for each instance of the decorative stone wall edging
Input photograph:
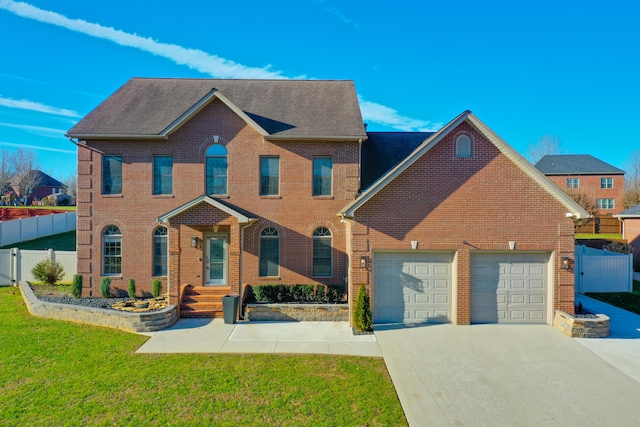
x,y
578,327
121,320
298,312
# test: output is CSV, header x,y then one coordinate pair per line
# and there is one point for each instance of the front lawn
x,y
59,242
629,301
63,374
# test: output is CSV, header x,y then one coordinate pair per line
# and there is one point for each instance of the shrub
x,y
335,293
299,293
156,288
76,286
105,287
362,318
48,271
131,290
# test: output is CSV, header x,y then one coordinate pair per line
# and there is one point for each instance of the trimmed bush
x,y
362,318
105,287
279,293
48,272
156,288
131,290
76,286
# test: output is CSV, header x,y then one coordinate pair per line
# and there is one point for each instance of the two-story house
x,y
45,185
583,173
216,184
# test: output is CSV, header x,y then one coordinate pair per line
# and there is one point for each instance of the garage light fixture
x,y
565,262
194,241
363,261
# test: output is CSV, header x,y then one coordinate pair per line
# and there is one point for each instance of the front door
x,y
216,260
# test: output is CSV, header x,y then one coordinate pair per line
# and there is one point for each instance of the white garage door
x,y
412,287
509,288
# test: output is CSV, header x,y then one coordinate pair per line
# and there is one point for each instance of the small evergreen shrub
x,y
131,289
48,272
362,317
76,286
105,287
156,288
278,293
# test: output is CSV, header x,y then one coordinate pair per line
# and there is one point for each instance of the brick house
x,y
46,186
583,173
631,226
216,184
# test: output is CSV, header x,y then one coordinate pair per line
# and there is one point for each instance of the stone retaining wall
x,y
578,327
298,312
124,321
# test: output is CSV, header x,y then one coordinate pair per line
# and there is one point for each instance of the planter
x,y
579,327
298,312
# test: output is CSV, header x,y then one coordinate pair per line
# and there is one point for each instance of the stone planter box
x,y
298,312
578,327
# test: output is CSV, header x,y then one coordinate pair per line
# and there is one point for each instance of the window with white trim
x,y
606,182
573,183
111,251
217,167
604,204
269,252
160,251
322,252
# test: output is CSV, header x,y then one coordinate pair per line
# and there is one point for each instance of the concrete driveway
x,y
504,375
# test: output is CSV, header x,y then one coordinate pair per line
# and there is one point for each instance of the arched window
x,y
112,251
160,251
322,252
463,146
216,169
269,252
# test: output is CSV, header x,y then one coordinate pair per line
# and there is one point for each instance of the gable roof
x,y
44,180
506,149
242,216
632,212
384,150
575,164
285,109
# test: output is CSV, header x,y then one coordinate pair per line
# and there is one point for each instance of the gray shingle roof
x,y
383,150
284,108
575,164
633,211
44,180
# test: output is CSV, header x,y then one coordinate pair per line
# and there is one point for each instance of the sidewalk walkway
x,y
622,347
214,336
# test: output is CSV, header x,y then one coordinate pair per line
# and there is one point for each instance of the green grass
x,y
59,242
599,236
61,374
629,301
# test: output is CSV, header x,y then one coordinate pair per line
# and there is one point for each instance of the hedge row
x,y
328,294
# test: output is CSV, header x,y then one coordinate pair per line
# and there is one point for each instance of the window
x,y
269,252
160,250
573,182
322,252
112,175
604,204
112,251
162,175
269,176
606,182
463,146
322,171
216,166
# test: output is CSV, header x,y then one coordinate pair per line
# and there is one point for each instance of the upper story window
x,y
160,251
463,146
269,252
573,182
269,176
216,169
606,182
322,253
111,251
604,204
322,176
162,175
112,175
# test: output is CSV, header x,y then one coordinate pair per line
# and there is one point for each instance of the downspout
x,y
359,166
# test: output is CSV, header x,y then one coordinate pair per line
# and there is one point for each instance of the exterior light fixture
x,y
414,244
565,262
363,261
194,241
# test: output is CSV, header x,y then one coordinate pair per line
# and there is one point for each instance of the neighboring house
x,y
631,225
47,185
224,183
583,173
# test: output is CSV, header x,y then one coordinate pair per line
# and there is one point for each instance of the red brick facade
x,y
591,186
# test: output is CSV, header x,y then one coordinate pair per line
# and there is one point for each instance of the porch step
x,y
203,301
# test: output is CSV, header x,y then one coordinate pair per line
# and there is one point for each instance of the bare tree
x,y
26,171
631,196
547,144
5,172
587,204
71,186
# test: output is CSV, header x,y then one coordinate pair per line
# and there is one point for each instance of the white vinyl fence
x,y
16,264
19,230
602,271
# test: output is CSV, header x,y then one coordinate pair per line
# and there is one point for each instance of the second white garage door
x,y
509,288
412,287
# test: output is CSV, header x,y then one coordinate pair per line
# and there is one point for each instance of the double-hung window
x,y
322,252
112,175
573,183
604,204
322,176
269,176
112,251
606,182
160,251
216,165
163,175
269,252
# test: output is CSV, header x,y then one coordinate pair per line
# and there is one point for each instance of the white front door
x,y
215,266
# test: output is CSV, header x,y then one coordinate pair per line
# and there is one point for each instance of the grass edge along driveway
x,y
64,374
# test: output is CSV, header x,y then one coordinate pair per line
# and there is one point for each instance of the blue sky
x,y
566,68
